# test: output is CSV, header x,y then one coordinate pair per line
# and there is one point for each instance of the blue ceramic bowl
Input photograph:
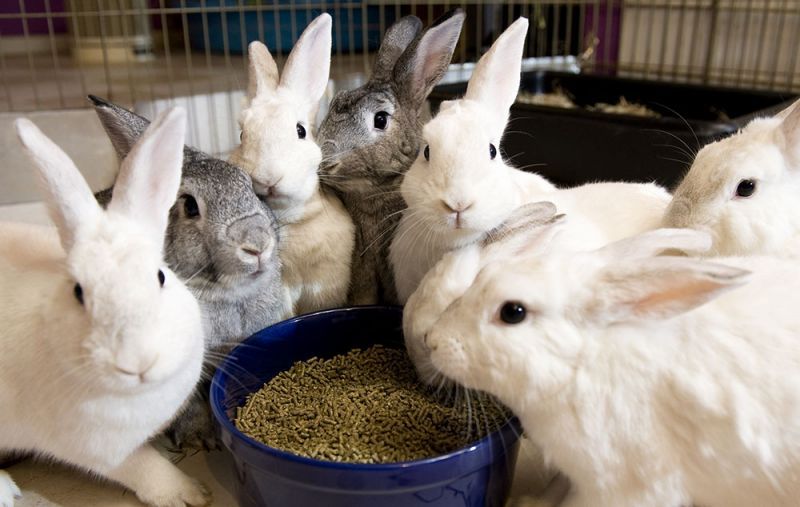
x,y
477,475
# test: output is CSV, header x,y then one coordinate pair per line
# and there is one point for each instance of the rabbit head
x,y
370,135
137,324
278,119
220,235
452,276
520,330
459,186
742,189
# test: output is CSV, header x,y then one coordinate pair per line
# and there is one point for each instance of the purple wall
x,y
35,26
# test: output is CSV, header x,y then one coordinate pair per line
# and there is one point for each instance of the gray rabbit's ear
x,y
425,60
123,127
395,41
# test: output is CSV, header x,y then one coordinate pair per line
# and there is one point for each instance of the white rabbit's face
x,y
741,190
141,319
278,148
458,186
506,336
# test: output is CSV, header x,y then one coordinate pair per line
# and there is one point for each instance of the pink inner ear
x,y
685,295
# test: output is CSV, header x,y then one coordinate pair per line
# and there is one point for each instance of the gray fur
x,y
202,251
365,170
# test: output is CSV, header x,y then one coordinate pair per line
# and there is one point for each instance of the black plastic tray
x,y
575,146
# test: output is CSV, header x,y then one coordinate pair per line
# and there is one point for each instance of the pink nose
x,y
457,207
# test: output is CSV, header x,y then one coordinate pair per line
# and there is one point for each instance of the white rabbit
x,y
279,152
648,380
101,344
743,189
459,188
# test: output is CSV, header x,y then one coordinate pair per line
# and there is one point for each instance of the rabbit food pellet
x,y
365,406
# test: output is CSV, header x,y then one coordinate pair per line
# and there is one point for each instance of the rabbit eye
x,y
427,153
241,135
161,278
381,120
492,151
746,188
512,312
301,131
190,206
78,291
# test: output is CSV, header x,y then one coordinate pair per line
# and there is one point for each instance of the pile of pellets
x,y
365,406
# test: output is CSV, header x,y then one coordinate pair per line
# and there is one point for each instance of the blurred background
x,y
149,54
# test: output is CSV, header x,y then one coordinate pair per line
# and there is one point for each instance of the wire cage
x,y
147,53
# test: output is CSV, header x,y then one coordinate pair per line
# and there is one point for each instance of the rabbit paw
x,y
175,492
8,490
193,430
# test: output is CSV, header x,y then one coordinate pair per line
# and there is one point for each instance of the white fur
x,y
461,193
767,151
647,380
90,384
317,233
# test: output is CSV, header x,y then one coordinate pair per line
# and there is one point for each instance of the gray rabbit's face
x,y
220,235
369,137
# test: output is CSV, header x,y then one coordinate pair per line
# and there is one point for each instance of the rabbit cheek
x,y
448,355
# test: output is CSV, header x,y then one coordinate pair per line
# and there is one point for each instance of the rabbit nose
x,y
426,342
129,368
266,189
251,253
457,207
253,233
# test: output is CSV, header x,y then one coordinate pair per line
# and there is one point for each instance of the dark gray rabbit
x,y
371,136
222,241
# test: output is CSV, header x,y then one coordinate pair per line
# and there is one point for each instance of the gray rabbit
x,y
371,136
222,242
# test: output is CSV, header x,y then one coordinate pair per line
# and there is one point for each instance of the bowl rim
x,y
511,426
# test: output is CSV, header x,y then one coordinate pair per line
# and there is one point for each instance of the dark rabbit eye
x,y
161,278
746,188
427,152
241,135
190,206
381,119
78,291
492,151
301,131
512,312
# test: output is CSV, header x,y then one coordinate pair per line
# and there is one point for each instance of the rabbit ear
x,y
659,241
70,202
262,70
791,131
526,217
123,127
425,60
150,175
661,287
308,67
395,41
528,231
495,80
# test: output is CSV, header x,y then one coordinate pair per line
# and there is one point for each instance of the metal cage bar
x,y
194,51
